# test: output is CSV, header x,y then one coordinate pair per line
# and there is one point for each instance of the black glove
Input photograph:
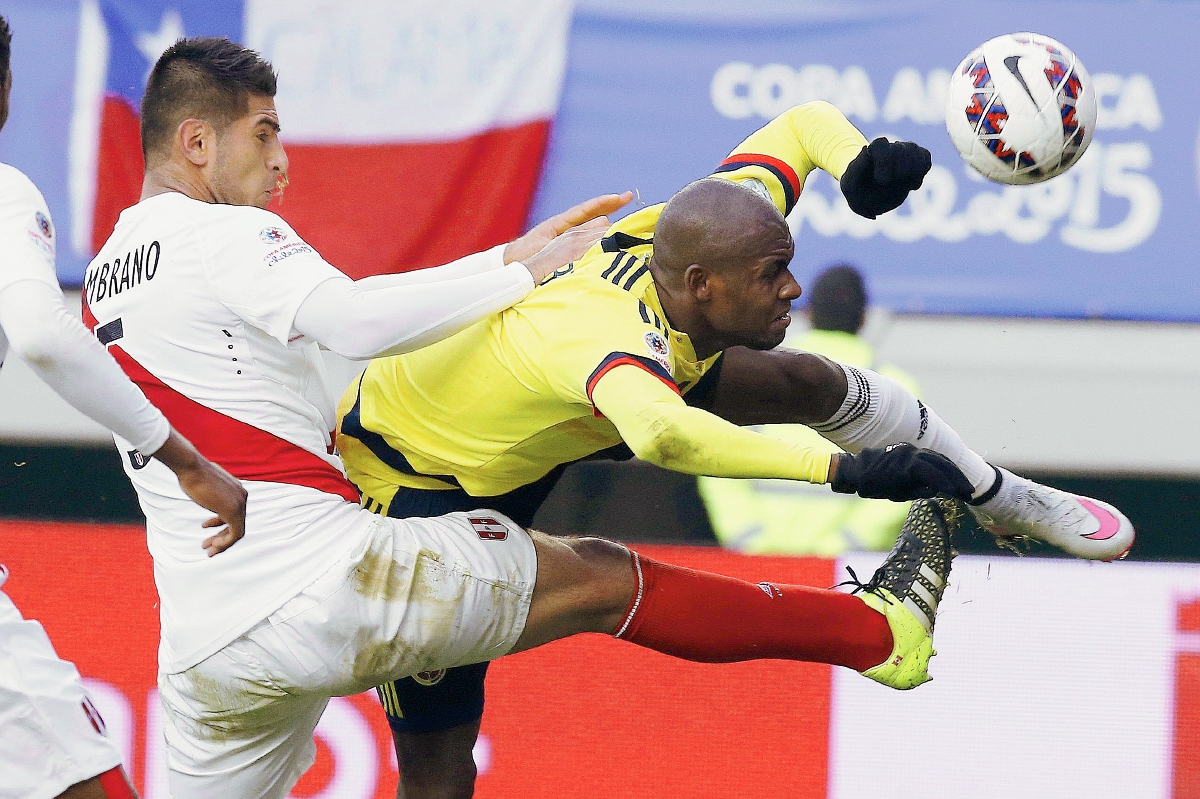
x,y
900,472
882,175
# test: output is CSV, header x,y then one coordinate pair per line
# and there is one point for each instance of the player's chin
x,y
769,339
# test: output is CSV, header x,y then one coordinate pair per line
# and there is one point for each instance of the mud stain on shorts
x,y
379,576
230,710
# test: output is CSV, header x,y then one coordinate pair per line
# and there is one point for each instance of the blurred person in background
x,y
794,518
52,740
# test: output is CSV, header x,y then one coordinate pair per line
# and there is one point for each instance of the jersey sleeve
x,y
262,270
596,334
782,153
27,235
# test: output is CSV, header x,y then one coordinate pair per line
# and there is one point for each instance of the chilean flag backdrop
x,y
415,130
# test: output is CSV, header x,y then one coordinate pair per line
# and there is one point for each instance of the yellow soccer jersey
x,y
500,404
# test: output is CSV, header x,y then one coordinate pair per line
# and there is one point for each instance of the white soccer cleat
x,y
1083,527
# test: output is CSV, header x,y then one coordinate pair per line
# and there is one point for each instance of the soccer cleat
x,y
1085,528
906,589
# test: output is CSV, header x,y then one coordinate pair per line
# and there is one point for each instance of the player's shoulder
x,y
17,189
243,219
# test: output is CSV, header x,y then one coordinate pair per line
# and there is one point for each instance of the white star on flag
x,y
154,44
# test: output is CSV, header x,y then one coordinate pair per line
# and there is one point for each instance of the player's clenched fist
x,y
899,472
882,174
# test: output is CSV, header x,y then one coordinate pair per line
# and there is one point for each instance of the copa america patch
x,y
271,235
658,348
488,529
428,678
44,224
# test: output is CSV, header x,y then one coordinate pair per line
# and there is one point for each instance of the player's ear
x,y
195,139
699,282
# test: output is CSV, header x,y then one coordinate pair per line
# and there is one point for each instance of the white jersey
x,y
26,235
196,301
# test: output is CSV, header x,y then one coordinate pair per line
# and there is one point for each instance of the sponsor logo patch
x,y
428,678
488,529
770,589
272,235
137,460
658,348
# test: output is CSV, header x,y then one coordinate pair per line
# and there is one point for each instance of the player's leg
x,y
52,739
877,411
112,784
435,717
858,408
590,585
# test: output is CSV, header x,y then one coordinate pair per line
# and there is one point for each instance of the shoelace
x,y
859,585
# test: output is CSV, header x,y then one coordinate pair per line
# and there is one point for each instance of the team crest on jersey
x,y
271,235
659,349
428,678
44,224
488,529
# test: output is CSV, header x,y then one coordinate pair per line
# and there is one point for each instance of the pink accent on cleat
x,y
1109,524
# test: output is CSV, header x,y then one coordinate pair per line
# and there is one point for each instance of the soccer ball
x,y
1021,108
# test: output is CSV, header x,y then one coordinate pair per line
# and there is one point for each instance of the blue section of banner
x,y
654,101
43,113
35,137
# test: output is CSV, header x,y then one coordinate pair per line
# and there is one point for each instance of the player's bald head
x,y
717,224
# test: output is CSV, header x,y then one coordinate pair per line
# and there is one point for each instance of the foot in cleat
x,y
1085,528
906,589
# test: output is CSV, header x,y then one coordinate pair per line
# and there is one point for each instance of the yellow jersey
x,y
500,404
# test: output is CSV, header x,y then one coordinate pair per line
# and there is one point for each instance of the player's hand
x,y
210,487
882,174
565,248
541,235
899,472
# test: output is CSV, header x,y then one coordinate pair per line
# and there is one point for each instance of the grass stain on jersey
x,y
380,576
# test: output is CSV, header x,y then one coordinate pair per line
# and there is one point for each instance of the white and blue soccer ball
x,y
1021,108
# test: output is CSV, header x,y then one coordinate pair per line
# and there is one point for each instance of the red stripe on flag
x,y
379,208
245,451
119,167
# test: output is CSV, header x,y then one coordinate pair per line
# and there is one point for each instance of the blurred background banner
x,y
416,130
1054,679
657,93
398,116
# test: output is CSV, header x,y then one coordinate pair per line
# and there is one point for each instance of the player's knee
x,y
439,780
820,381
607,570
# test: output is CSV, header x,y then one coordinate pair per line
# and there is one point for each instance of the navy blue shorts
x,y
436,701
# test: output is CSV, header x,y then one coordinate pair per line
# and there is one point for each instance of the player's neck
x,y
169,178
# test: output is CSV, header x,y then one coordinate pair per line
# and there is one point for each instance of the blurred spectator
x,y
790,517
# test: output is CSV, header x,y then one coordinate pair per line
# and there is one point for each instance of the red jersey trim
x,y
245,451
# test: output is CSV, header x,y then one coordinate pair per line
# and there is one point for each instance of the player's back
x,y
502,403
491,408
195,301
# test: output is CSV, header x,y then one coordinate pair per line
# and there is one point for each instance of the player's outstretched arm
x,y
210,487
379,317
660,429
874,178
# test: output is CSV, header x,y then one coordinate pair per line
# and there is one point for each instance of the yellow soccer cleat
x,y
906,589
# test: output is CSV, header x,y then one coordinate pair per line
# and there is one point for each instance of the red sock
x,y
116,784
710,618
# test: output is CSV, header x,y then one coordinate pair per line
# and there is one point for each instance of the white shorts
x,y
419,595
51,736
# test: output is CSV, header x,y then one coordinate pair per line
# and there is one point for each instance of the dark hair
x,y
208,78
838,299
5,48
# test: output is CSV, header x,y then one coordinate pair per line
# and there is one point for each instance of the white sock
x,y
879,411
